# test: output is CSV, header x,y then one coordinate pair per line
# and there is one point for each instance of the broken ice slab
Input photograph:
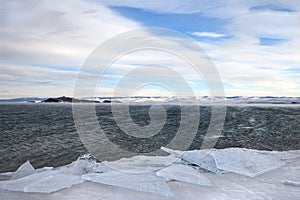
x,y
246,161
24,170
53,183
201,158
19,184
6,176
145,182
84,164
185,174
142,164
100,168
203,161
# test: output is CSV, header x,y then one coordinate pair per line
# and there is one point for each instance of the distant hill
x,y
64,99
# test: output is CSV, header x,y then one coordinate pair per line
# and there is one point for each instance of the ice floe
x,y
146,182
19,184
185,174
53,183
245,161
200,158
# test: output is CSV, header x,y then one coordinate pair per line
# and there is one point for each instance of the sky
x,y
253,44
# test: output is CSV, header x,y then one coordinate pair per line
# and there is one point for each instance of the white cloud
x,y
208,34
63,33
60,33
53,34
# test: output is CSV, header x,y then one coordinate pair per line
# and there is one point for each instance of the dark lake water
x,y
46,135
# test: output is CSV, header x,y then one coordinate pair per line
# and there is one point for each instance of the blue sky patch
x,y
271,7
265,41
183,23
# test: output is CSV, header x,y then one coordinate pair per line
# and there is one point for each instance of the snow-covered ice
x,y
146,182
252,174
204,100
84,164
19,184
53,183
185,174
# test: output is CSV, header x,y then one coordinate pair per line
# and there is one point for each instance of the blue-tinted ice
x,y
149,173
185,174
245,161
145,182
201,158
24,170
53,183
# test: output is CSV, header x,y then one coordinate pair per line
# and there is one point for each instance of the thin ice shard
x,y
141,163
24,170
185,174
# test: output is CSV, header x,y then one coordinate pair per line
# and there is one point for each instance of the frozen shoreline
x,y
248,174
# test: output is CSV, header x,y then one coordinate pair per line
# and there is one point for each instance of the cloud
x,y
56,32
51,33
208,34
262,43
43,43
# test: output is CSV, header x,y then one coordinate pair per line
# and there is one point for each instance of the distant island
x,y
64,99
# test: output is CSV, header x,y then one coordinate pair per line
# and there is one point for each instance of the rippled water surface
x,y
46,135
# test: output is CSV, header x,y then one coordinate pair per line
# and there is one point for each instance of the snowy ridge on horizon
x,y
200,100
175,100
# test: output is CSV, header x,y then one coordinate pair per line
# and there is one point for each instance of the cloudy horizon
x,y
253,44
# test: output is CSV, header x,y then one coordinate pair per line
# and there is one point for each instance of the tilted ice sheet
x,y
185,174
145,182
143,164
204,161
245,161
201,158
53,183
24,170
46,180
19,184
